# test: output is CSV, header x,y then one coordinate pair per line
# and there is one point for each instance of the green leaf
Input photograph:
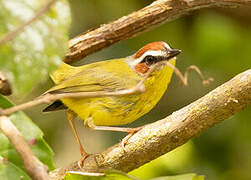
x,y
31,55
9,171
32,134
191,176
109,175
118,175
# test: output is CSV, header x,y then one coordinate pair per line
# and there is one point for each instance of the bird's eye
x,y
149,60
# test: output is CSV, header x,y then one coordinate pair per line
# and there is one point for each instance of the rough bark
x,y
138,22
165,135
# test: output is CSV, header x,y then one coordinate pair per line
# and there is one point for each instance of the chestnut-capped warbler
x,y
100,113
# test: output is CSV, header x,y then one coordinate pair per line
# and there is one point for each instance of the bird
x,y
115,75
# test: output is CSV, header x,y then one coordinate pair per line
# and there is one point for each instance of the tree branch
x,y
34,167
10,35
138,22
5,87
165,135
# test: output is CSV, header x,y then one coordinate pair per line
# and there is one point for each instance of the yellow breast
x,y
118,110
156,86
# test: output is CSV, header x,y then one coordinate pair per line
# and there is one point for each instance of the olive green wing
x,y
98,77
96,80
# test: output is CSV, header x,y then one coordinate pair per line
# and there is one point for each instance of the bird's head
x,y
151,54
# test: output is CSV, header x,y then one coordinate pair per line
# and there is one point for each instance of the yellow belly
x,y
118,110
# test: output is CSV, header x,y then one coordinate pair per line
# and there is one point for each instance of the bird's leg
x,y
130,134
130,131
184,79
71,116
89,123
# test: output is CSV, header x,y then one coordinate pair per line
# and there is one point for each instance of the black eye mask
x,y
150,60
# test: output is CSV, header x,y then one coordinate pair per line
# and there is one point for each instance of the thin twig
x,y
34,167
165,135
139,88
10,35
138,22
48,98
184,79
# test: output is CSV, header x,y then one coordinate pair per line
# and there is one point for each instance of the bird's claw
x,y
125,139
82,159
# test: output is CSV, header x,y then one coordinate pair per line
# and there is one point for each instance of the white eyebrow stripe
x,y
167,46
148,53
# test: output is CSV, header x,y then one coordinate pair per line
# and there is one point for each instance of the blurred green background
x,y
218,41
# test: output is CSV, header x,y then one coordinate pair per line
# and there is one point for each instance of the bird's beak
x,y
172,53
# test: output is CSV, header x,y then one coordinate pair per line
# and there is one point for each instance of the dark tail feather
x,y
55,106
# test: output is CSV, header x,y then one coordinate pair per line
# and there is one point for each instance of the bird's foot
x,y
130,134
82,159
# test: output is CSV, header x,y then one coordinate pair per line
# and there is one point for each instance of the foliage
x,y
118,175
8,170
29,57
11,164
